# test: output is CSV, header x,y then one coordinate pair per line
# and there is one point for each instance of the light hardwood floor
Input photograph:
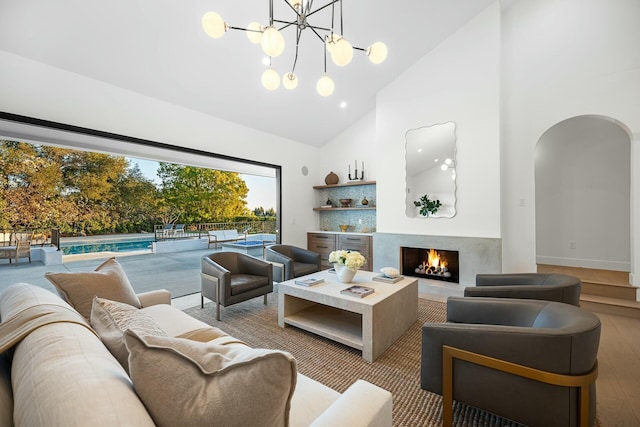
x,y
618,384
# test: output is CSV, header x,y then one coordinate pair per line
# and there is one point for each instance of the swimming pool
x,y
105,246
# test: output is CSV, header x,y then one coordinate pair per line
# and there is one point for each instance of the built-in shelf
x,y
346,184
346,209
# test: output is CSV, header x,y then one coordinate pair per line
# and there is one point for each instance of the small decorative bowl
x,y
344,227
390,272
345,202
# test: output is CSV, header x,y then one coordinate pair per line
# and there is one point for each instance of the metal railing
x,y
39,237
186,231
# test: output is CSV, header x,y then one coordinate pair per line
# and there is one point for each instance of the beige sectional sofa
x,y
61,374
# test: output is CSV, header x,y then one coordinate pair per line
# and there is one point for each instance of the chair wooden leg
x,y
201,300
265,299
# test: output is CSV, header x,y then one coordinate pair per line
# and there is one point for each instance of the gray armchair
x,y
296,261
549,287
547,342
232,277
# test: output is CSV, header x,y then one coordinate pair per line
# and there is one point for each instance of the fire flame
x,y
434,260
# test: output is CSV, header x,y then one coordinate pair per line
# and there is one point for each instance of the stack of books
x,y
311,281
387,279
357,291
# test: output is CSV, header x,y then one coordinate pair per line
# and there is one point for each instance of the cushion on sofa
x,y
6,393
63,375
209,383
107,281
111,318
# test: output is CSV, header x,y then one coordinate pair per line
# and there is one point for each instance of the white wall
x,y
458,81
37,90
562,59
582,194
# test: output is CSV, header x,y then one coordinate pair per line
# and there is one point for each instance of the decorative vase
x,y
343,273
331,179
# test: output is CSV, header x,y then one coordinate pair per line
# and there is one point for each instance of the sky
x,y
262,190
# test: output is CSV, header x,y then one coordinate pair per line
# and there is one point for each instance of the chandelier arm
x,y
319,28
319,9
243,29
317,34
288,24
295,60
325,56
270,12
341,22
291,7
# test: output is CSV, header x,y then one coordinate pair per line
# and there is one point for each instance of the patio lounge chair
x,y
179,230
19,247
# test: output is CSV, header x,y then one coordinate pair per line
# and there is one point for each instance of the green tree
x,y
30,185
203,195
137,202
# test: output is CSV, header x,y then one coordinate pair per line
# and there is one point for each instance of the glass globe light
x,y
270,79
377,52
213,25
255,32
444,167
272,41
325,85
290,81
296,4
342,52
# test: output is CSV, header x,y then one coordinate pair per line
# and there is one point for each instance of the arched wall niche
x,y
583,194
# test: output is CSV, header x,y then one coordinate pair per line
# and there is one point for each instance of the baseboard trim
x,y
584,263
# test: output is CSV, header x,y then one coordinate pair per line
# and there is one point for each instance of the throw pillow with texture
x,y
184,382
107,281
110,319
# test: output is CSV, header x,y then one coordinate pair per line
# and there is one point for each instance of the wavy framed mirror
x,y
430,154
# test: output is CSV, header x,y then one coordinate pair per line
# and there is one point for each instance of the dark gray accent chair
x,y
542,286
547,336
232,277
296,261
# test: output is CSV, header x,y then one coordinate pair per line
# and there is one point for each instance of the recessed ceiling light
x,y
343,104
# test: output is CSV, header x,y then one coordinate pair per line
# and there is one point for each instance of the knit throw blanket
x,y
14,329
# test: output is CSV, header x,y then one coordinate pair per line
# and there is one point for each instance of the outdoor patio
x,y
179,272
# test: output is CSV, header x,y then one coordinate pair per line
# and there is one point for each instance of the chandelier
x,y
272,41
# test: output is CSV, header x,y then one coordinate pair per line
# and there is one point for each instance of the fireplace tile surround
x,y
476,254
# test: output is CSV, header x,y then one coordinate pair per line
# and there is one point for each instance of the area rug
x,y
339,366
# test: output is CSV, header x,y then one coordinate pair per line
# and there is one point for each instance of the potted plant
x,y
427,206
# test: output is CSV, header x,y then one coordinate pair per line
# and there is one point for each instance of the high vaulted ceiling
x,y
157,48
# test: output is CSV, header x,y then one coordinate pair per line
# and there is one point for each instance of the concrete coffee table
x,y
370,324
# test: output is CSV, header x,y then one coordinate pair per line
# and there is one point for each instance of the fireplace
x,y
436,264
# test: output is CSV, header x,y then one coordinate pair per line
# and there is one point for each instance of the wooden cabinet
x,y
325,243
322,243
354,242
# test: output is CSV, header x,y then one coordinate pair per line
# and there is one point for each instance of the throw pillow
x,y
110,319
184,382
107,281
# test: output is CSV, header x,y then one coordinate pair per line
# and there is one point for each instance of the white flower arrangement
x,y
351,259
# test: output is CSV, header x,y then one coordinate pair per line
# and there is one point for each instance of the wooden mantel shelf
x,y
346,184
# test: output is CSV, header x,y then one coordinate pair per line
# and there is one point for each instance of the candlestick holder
x,y
356,177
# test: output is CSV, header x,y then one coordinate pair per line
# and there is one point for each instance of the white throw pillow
x,y
110,319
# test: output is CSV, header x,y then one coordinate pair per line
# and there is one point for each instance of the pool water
x,y
122,246
250,243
